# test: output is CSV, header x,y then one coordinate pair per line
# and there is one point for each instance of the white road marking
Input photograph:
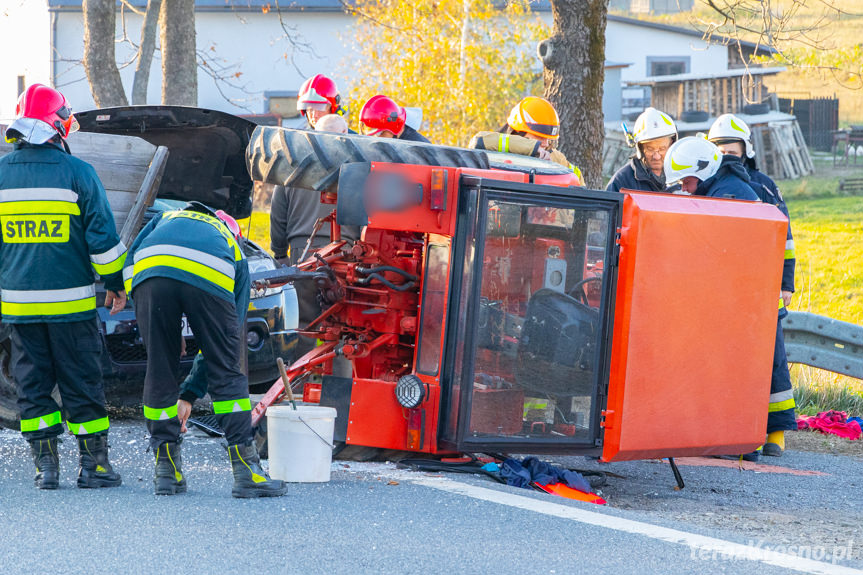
x,y
700,546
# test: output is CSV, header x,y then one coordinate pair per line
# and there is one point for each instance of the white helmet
x,y
691,156
729,127
650,125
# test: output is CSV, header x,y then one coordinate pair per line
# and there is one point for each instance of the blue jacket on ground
x,y
730,181
768,192
58,230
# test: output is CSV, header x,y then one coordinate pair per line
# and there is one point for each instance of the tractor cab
x,y
492,309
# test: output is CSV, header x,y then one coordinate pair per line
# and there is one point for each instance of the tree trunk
x,y
100,63
179,58
574,60
145,52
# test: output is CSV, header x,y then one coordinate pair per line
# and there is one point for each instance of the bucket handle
x,y
327,443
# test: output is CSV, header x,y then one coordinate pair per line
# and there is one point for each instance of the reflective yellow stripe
x,y
232,405
43,422
781,303
48,308
781,405
185,265
94,426
160,413
109,262
40,207
503,143
790,255
215,222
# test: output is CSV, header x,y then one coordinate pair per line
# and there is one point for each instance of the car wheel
x,y
8,392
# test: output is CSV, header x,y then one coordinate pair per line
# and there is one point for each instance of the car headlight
x,y
262,264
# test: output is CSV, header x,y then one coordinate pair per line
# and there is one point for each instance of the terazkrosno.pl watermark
x,y
760,550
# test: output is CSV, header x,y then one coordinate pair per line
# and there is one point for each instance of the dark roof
x,y
225,5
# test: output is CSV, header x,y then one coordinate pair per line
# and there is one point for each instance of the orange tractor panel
x,y
679,325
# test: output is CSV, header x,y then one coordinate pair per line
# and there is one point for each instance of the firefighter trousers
x,y
66,355
160,304
780,415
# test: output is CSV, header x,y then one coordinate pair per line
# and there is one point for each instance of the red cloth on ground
x,y
831,422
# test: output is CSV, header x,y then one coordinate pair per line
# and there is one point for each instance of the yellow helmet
x,y
535,116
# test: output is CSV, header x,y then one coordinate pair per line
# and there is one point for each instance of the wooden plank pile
x,y
781,150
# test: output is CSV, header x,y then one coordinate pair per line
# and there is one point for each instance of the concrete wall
x,y
612,95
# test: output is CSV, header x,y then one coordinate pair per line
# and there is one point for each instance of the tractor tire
x,y
312,160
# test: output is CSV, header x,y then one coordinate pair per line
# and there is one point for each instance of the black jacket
x,y
634,175
768,192
413,136
730,181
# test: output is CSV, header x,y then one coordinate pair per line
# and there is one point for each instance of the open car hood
x,y
207,150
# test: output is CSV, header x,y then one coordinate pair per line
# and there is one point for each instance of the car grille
x,y
124,349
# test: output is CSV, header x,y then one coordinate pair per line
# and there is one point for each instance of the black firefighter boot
x,y
47,462
95,471
169,478
250,480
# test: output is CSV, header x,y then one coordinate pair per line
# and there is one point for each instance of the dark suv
x,y
206,163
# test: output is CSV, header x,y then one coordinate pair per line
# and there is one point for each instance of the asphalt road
x,y
374,518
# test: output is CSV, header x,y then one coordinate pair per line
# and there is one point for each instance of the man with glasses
x,y
654,133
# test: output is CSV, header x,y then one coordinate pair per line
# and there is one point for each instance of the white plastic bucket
x,y
299,442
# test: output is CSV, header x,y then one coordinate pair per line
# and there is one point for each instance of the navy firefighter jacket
x,y
768,191
194,248
58,232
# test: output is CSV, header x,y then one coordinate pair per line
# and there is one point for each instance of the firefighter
x,y
188,262
57,230
732,135
703,170
293,213
655,132
319,97
531,127
383,118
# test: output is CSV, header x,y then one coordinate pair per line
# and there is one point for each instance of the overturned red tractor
x,y
492,306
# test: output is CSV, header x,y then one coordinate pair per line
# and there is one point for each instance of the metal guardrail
x,y
824,343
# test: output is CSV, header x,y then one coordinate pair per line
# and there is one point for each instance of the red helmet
x,y
382,114
42,113
318,90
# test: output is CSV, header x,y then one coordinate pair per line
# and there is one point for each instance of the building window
x,y
667,65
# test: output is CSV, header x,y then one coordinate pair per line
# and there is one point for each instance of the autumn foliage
x,y
465,63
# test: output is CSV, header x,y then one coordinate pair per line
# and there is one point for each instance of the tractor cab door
x,y
527,353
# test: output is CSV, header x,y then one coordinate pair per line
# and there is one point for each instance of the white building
x,y
46,41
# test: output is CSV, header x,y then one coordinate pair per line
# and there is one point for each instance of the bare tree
x,y
574,60
179,67
800,33
100,63
145,52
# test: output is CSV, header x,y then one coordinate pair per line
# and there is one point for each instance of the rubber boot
x,y
47,462
250,480
775,444
95,471
169,478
